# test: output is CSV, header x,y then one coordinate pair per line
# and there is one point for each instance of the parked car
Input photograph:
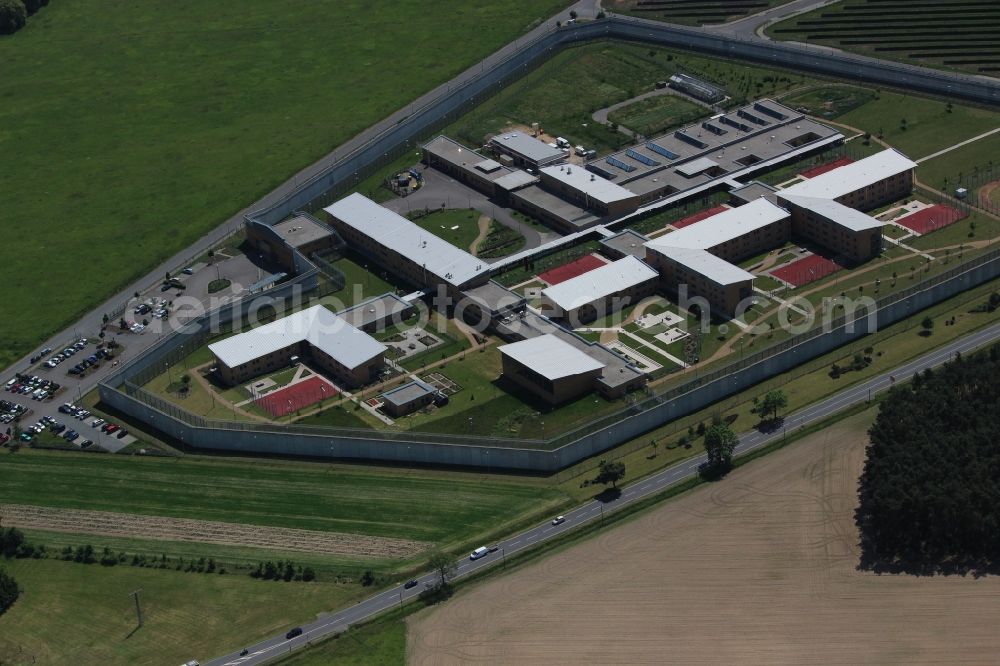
x,y
121,433
57,428
70,435
85,443
97,422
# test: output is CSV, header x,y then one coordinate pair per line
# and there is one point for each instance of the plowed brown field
x,y
206,531
757,569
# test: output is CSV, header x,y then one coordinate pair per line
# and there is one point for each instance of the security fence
x,y
124,391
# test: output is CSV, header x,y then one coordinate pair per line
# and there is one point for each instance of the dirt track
x,y
757,569
205,531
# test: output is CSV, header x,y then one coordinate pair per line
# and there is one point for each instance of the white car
x,y
559,520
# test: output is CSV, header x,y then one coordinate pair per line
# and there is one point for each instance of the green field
x,y
976,163
929,125
949,34
147,124
656,115
453,507
562,93
72,613
441,223
829,101
379,643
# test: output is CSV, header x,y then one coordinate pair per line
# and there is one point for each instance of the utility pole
x,y
138,610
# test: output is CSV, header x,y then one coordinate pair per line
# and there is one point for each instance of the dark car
x,y
297,631
409,584
121,433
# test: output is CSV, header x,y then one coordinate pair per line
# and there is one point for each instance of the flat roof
x,y
374,310
599,283
318,326
723,227
455,266
514,179
407,393
573,215
629,241
854,176
694,167
594,186
301,230
754,190
495,297
527,147
836,212
550,357
705,263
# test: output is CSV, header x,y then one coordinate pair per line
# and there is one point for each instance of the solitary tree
x,y
444,565
572,14
928,325
773,402
610,471
720,442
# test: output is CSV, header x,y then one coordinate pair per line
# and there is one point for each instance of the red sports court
x,y
297,396
823,168
804,271
698,217
931,218
571,270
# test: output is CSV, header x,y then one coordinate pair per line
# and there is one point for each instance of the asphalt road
x,y
266,650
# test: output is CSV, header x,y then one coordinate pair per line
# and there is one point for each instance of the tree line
x,y
930,488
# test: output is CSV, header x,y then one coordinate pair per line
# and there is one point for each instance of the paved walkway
x,y
957,145
601,115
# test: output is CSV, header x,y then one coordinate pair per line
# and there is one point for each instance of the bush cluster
x,y
283,570
14,14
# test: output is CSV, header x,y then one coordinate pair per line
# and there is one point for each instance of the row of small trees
x,y
14,14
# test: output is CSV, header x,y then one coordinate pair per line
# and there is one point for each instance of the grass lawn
x,y
363,281
962,165
829,101
958,233
144,119
500,241
655,115
767,283
442,223
303,495
929,125
73,613
378,643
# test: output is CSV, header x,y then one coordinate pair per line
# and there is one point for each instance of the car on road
x,y
482,551
297,631
559,520
494,548
409,584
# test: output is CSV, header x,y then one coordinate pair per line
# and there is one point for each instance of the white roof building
x,y
599,283
550,357
528,147
318,326
390,230
596,187
852,177
843,215
705,263
723,227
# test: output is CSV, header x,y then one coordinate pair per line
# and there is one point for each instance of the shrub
x,y
9,591
32,6
13,16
